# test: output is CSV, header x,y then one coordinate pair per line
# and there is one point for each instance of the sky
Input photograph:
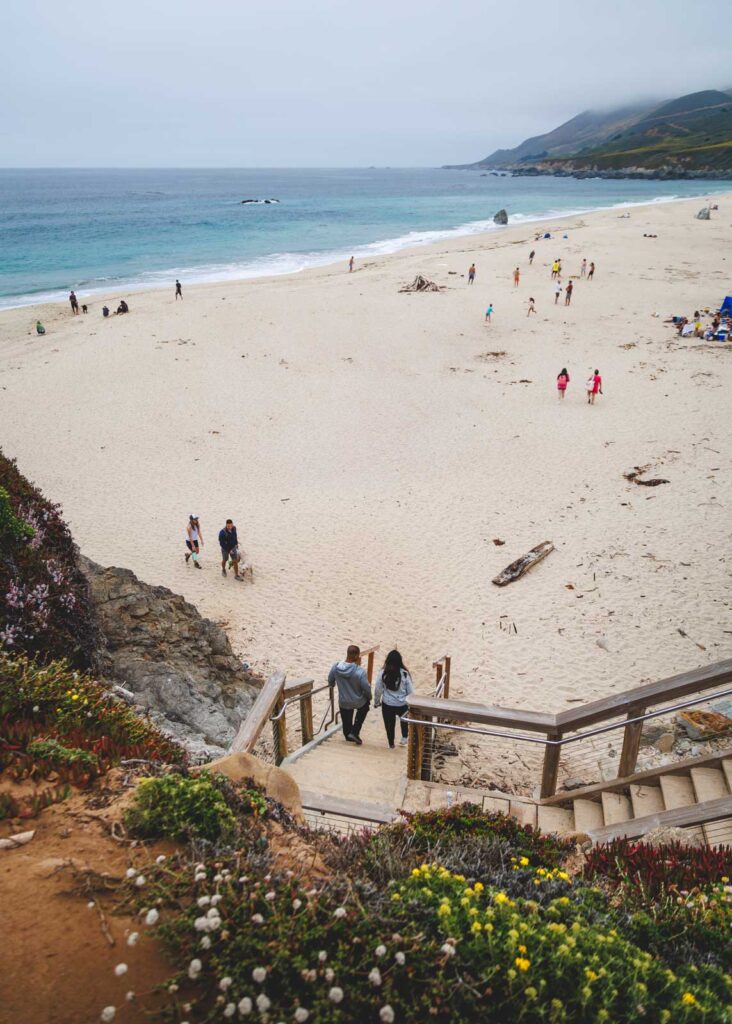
x,y
331,83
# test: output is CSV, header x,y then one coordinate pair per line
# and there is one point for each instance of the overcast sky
x,y
232,83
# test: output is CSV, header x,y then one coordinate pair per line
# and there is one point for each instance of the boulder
x,y
501,217
665,834
276,783
704,725
704,214
156,651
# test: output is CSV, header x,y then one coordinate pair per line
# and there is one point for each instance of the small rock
x,y
19,839
665,742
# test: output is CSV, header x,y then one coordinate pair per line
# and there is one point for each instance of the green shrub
x,y
180,807
63,757
12,528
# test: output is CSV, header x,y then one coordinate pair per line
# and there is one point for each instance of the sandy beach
x,y
371,446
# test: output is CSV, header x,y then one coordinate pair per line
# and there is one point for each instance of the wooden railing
x,y
556,731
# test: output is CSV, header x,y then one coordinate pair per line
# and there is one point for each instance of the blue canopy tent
x,y
727,306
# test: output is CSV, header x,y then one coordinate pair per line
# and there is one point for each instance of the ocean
x,y
119,230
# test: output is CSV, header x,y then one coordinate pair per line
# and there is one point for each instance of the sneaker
x,y
403,741
356,739
188,555
198,565
350,739
223,572
391,746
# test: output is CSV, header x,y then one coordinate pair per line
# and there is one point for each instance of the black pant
x,y
391,714
351,728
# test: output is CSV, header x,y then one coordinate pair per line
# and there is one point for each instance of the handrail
x,y
252,726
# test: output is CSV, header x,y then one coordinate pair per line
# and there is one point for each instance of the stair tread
x,y
587,815
646,800
524,813
727,769
555,819
616,808
708,783
678,791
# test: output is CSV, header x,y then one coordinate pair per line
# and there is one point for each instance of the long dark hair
x,y
392,670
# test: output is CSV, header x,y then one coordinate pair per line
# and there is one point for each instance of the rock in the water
x,y
169,659
501,217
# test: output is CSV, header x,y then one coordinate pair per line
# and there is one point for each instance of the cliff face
x,y
160,654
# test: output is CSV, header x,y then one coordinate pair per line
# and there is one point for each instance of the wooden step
x,y
727,769
587,815
718,833
709,784
678,791
616,808
555,819
646,800
524,813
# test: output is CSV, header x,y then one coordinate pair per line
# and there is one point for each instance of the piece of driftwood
x,y
635,477
421,284
522,565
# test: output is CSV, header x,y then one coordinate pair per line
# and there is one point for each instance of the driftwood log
x,y
421,284
522,565
634,476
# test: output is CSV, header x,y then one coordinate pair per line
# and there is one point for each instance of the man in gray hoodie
x,y
354,693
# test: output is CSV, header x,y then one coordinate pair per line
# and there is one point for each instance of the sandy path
x,y
369,456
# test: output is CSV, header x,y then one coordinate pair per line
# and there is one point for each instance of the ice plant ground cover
x,y
519,939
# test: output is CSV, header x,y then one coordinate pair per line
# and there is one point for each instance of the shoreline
x,y
330,259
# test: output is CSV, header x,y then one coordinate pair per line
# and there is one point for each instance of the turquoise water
x,y
95,230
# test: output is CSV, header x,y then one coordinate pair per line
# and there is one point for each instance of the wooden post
x,y
370,666
279,731
306,718
631,744
438,674
551,765
446,691
414,754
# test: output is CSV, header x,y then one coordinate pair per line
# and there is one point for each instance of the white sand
x,y
369,456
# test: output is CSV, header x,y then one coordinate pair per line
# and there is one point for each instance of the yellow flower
x,y
501,897
74,696
415,872
395,897
489,927
473,911
524,862
476,926
510,974
688,999
464,902
522,949
590,975
530,992
478,887
522,963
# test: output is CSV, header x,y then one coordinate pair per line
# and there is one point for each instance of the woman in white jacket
x,y
393,686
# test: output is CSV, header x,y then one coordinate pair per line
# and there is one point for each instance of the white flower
x,y
259,974
224,984
200,867
120,969
201,924
140,881
215,900
257,919
130,996
448,949
132,938
172,989
296,904
36,708
214,923
322,956
336,994
339,912
309,975
229,1009
386,1014
269,896
203,901
91,905
301,1014
375,976
213,912
194,969
380,950
263,1003
245,1006
400,959
243,879
130,873
200,877
152,916
108,1014
218,878
161,859
205,942
329,974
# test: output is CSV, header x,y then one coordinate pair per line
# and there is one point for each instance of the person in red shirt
x,y
596,387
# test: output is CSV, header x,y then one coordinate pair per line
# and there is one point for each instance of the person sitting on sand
x,y
594,387
194,540
229,544
354,693
105,310
393,686
568,293
40,329
489,312
122,308
562,382
532,307
471,273
516,276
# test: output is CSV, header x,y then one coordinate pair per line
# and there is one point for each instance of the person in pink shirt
x,y
594,385
562,382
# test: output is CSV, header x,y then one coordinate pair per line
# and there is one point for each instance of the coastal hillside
x,y
690,136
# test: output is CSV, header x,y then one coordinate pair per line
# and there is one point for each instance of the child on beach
x,y
562,382
532,307
516,276
194,540
488,312
594,386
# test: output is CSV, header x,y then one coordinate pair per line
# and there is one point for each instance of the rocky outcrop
x,y
501,217
157,652
275,782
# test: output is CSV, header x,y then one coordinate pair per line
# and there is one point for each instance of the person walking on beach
x,y
393,686
562,382
471,273
531,256
594,387
178,291
516,277
532,307
74,303
489,312
591,273
555,268
354,693
583,268
557,291
229,544
194,540
568,293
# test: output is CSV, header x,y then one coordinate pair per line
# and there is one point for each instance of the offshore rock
x,y
158,652
501,217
